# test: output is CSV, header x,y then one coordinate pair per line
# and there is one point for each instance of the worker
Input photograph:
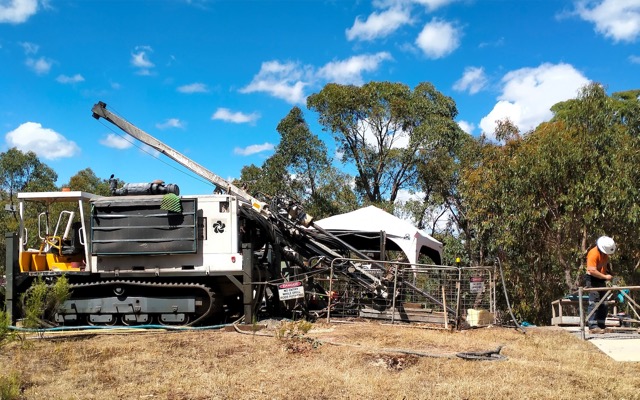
x,y
598,273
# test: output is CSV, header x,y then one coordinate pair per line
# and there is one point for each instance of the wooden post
x,y
393,300
446,313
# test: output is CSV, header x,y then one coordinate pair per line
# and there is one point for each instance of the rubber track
x,y
170,285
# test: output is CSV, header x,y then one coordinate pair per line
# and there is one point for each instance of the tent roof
x,y
410,239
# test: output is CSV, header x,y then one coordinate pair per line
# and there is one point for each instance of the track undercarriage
x,y
138,302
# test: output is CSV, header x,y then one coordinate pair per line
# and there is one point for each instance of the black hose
x,y
506,297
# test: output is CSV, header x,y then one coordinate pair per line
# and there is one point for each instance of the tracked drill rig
x,y
147,254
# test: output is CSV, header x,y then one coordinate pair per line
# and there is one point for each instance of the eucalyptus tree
x,y
545,196
608,130
385,131
301,167
87,181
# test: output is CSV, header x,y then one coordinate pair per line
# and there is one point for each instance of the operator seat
x,y
73,246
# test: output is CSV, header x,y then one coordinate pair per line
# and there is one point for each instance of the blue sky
x,y
213,78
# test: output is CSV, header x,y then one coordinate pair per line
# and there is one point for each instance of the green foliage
x,y
385,131
293,335
42,301
6,334
87,181
11,386
300,168
21,172
539,200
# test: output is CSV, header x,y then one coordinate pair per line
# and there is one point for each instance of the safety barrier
x,y
443,296
623,296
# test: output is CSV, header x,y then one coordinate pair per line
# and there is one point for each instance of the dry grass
x,y
545,363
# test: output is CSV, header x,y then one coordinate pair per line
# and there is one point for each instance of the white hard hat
x,y
606,245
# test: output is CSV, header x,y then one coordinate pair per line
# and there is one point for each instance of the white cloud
x,y
438,39
496,43
349,71
288,80
467,126
41,66
70,79
17,11
30,48
379,25
140,60
528,94
615,19
253,149
634,59
224,114
193,88
473,79
46,143
115,142
405,195
283,81
433,5
171,123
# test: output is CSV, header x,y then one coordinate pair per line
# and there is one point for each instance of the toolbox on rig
x,y
138,225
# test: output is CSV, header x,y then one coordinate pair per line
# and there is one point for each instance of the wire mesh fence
x,y
396,291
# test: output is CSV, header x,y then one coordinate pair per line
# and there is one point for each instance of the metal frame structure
x,y
622,290
420,293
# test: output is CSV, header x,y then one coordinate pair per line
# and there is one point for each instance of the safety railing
x,y
624,296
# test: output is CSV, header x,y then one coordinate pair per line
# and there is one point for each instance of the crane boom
x,y
100,110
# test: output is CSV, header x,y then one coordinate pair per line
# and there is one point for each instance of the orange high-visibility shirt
x,y
597,259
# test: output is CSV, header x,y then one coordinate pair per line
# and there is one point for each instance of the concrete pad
x,y
619,349
618,346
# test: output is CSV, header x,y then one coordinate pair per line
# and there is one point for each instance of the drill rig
x,y
147,255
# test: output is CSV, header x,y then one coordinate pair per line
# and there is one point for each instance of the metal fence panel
x,y
416,293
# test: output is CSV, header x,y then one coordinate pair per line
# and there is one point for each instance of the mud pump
x,y
148,255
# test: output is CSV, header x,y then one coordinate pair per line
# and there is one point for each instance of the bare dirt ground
x,y
347,360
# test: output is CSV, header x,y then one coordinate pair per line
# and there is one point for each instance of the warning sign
x,y
476,285
290,290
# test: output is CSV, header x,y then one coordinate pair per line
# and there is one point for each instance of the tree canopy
x,y
541,199
386,131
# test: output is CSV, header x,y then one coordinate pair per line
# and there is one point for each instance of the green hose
x,y
92,327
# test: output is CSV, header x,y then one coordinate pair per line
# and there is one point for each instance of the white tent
x,y
411,240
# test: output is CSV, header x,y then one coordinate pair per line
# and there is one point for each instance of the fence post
x,y
446,313
458,289
330,292
393,301
581,312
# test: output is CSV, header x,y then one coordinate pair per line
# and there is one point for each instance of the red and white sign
x,y
290,290
476,285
